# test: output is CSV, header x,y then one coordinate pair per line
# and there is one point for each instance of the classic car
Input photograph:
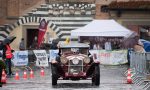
x,y
74,62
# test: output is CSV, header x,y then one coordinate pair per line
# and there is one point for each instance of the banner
x,y
20,58
42,30
53,54
41,56
110,57
113,57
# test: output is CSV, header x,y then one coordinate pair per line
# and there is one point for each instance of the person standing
x,y
34,44
7,55
22,45
108,45
97,46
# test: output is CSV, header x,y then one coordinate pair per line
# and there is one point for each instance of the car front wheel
x,y
54,80
54,74
96,77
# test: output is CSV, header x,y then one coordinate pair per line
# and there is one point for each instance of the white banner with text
x,y
110,57
20,58
41,58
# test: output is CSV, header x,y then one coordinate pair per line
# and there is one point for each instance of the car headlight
x,y
86,60
75,61
64,60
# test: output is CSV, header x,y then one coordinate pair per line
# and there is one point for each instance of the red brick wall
x,y
2,10
29,4
10,10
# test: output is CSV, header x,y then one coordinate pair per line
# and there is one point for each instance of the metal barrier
x,y
140,66
31,62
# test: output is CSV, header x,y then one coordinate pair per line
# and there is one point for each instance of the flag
x,y
42,30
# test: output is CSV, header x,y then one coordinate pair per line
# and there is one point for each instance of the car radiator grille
x,y
74,69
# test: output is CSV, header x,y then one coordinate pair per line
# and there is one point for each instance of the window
x,y
104,8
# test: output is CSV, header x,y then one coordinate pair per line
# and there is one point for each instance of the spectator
x,y
97,46
139,47
54,44
129,56
108,45
22,45
34,43
7,56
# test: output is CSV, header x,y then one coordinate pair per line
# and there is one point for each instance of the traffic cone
x,y
31,74
3,79
129,79
25,75
42,72
17,76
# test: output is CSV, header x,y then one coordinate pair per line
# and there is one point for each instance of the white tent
x,y
108,28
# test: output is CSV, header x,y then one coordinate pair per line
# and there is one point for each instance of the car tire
x,y
54,80
54,75
96,78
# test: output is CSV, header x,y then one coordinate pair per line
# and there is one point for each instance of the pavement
x,y
112,78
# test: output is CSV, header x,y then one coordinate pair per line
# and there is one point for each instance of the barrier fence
x,y
140,66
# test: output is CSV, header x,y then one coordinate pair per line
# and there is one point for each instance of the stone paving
x,y
112,78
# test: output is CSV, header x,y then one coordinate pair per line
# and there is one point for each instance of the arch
x,y
27,19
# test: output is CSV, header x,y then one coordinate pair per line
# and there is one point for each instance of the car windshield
x,y
68,51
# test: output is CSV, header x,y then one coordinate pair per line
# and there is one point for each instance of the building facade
x,y
23,16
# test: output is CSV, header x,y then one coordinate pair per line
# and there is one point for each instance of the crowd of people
x,y
104,43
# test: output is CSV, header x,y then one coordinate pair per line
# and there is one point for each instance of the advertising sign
x,y
20,58
41,58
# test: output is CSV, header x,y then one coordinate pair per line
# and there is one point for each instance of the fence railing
x,y
140,66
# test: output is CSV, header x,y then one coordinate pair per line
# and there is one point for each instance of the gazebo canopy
x,y
105,28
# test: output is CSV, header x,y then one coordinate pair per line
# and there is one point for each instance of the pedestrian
x,y
7,56
108,45
129,56
22,45
139,47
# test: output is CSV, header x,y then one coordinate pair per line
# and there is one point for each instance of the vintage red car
x,y
74,62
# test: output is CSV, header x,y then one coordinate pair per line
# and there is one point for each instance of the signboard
x,y
110,57
53,54
20,58
113,57
42,59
